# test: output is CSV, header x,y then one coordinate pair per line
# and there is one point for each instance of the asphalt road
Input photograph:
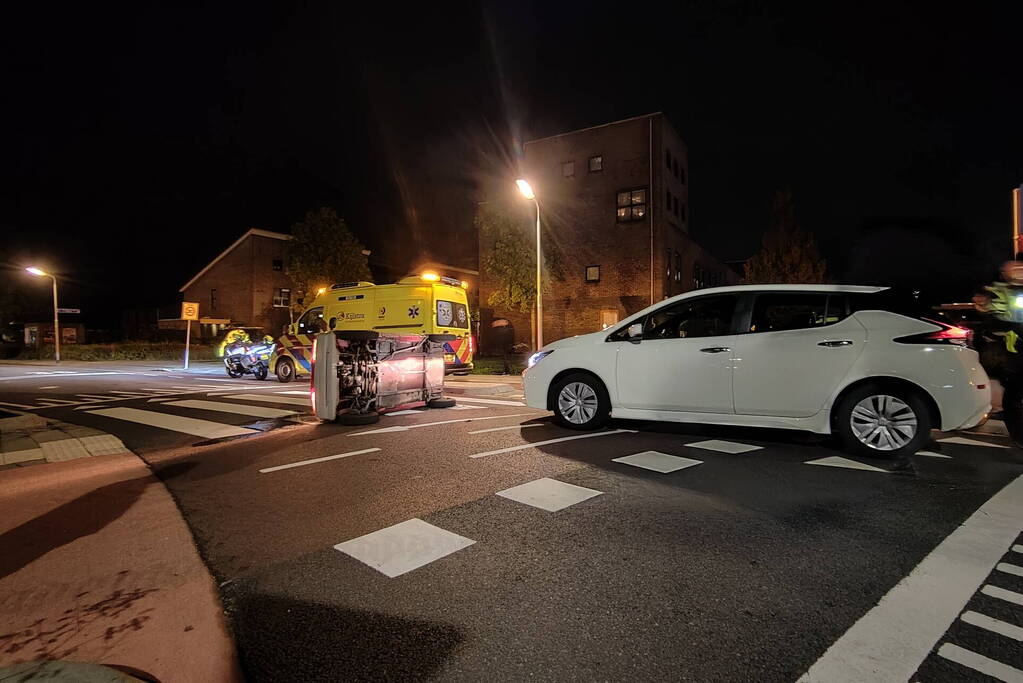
x,y
741,566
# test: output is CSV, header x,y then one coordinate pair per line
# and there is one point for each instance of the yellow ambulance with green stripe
x,y
419,304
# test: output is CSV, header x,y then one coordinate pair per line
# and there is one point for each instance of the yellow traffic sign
x,y
189,310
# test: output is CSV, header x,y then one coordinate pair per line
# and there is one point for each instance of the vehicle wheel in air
x,y
440,403
883,422
261,372
285,370
354,419
581,402
234,373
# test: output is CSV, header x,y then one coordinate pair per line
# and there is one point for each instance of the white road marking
x,y
970,442
891,640
271,399
49,402
406,412
658,462
103,444
501,429
490,401
1003,594
838,461
932,454
548,494
17,405
550,441
985,665
724,446
1013,569
50,387
94,397
296,392
238,409
174,423
461,407
998,626
405,428
1017,548
135,394
403,547
302,463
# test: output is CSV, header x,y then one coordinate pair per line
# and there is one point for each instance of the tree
x,y
509,259
323,251
788,255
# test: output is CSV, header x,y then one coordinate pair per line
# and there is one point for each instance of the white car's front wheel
x,y
887,422
580,401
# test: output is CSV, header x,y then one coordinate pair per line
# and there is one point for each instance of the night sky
x,y
140,139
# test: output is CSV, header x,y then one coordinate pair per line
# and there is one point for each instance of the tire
x,y
580,401
261,372
285,370
355,419
234,373
440,403
901,414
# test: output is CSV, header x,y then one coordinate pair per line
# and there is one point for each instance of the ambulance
x,y
420,304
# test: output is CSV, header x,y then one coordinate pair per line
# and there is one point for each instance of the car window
x,y
452,314
311,321
796,311
705,317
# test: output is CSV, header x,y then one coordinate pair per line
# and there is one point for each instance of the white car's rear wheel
x,y
887,422
580,401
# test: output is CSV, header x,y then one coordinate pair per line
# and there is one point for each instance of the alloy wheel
x,y
883,422
577,402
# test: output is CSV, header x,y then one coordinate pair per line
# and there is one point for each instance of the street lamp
x,y
527,192
56,324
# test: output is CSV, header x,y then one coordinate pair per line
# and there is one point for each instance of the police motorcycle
x,y
249,359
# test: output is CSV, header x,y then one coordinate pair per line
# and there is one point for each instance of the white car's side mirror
x,y
635,332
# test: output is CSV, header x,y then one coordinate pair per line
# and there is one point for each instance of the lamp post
x,y
56,323
528,193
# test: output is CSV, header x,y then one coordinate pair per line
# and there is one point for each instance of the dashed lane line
x,y
502,429
489,401
537,444
405,428
891,640
313,461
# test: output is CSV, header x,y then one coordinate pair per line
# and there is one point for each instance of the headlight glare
x,y
537,357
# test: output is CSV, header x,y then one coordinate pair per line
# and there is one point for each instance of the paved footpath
x,y
97,565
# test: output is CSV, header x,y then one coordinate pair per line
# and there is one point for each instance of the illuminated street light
x,y
38,272
527,191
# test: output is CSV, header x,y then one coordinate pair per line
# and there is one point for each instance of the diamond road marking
x,y
836,461
403,547
724,446
658,462
548,494
970,442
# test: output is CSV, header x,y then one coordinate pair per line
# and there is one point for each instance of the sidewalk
x,y
98,566
120,365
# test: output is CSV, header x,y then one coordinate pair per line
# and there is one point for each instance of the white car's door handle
x,y
835,342
716,349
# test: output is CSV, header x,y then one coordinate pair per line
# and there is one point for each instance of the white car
x,y
828,359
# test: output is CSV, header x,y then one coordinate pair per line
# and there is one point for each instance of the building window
x,y
682,174
593,273
596,164
678,267
667,270
631,205
608,317
682,211
282,297
667,158
278,264
674,167
213,299
674,200
568,168
667,200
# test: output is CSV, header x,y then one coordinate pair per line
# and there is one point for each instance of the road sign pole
x,y
188,339
56,324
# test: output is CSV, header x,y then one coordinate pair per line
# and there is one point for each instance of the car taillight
x,y
472,344
948,334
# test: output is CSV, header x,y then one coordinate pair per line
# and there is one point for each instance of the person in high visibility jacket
x,y
235,336
1007,305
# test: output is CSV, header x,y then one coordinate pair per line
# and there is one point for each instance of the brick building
x,y
245,286
614,200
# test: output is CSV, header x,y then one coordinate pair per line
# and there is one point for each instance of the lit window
x,y
631,205
593,273
278,264
678,267
596,164
568,168
213,299
608,317
282,297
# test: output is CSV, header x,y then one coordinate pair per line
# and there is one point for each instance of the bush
x,y
494,365
120,351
